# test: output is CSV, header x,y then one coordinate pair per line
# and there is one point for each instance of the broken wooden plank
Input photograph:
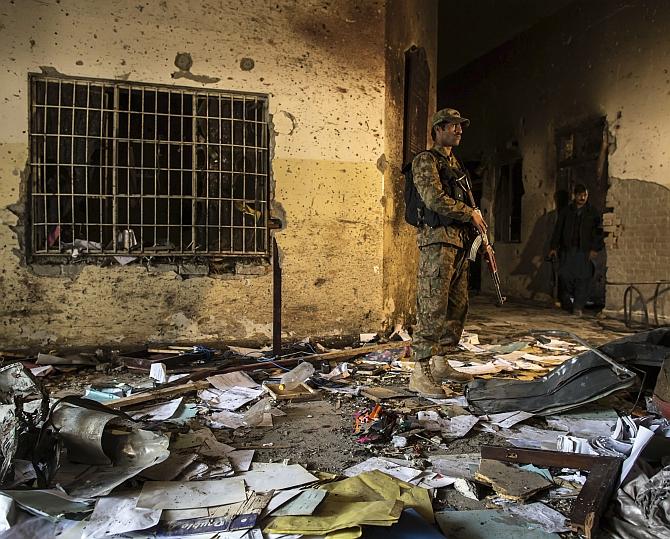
x,y
509,481
594,495
297,394
162,393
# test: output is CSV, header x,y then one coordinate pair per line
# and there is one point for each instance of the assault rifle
x,y
481,241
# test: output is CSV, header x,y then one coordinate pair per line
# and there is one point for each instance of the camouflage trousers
x,y
441,299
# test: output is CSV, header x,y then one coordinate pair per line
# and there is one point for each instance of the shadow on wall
x,y
533,261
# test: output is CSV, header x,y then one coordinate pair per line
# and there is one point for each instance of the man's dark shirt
x,y
579,228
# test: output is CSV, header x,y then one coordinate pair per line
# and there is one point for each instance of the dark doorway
x,y
417,86
581,151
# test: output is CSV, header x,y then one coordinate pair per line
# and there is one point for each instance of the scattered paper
x,y
303,504
158,412
230,399
191,495
158,372
224,418
574,444
115,515
453,401
644,436
506,420
266,476
231,380
584,428
458,426
540,516
279,498
42,371
404,473
241,459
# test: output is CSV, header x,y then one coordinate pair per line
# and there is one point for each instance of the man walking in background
x,y
577,238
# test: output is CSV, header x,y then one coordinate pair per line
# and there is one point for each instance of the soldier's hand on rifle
x,y
478,222
552,254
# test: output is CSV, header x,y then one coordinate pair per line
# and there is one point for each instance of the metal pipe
x,y
276,300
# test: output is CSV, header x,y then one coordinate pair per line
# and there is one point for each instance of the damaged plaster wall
x,y
596,58
419,28
322,64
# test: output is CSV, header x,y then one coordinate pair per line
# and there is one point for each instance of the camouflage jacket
x,y
427,180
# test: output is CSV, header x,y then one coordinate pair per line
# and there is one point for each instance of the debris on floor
x,y
549,440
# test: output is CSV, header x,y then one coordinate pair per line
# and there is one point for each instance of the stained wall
x,y
408,23
322,65
593,58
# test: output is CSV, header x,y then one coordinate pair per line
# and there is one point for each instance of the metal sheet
x,y
81,431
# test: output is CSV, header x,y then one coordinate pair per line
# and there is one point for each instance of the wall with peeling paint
x,y
323,66
596,58
418,28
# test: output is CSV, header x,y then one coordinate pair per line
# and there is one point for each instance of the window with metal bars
x,y
131,169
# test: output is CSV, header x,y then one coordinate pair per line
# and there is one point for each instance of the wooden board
x,y
162,393
509,481
301,393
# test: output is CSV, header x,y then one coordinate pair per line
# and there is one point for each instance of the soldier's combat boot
x,y
443,372
422,382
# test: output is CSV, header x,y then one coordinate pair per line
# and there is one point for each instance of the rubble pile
x,y
553,438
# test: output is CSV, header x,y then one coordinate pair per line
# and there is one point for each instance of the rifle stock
x,y
482,243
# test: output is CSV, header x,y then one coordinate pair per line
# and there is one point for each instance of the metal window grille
x,y
121,168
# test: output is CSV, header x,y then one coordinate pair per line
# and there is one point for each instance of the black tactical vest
x,y
448,177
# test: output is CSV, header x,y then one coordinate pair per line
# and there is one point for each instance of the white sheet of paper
x,y
230,399
158,412
486,368
302,505
266,476
511,356
191,494
241,459
584,428
170,515
279,498
458,426
574,444
42,371
404,473
540,516
227,419
115,515
506,420
454,401
547,360
158,372
438,481
471,348
556,344
644,435
232,379
532,437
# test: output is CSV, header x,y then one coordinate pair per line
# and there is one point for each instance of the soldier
x,y
442,284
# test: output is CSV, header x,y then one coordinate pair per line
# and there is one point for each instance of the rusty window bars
x,y
122,168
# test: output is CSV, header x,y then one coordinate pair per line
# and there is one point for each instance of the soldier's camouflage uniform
x,y
442,288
